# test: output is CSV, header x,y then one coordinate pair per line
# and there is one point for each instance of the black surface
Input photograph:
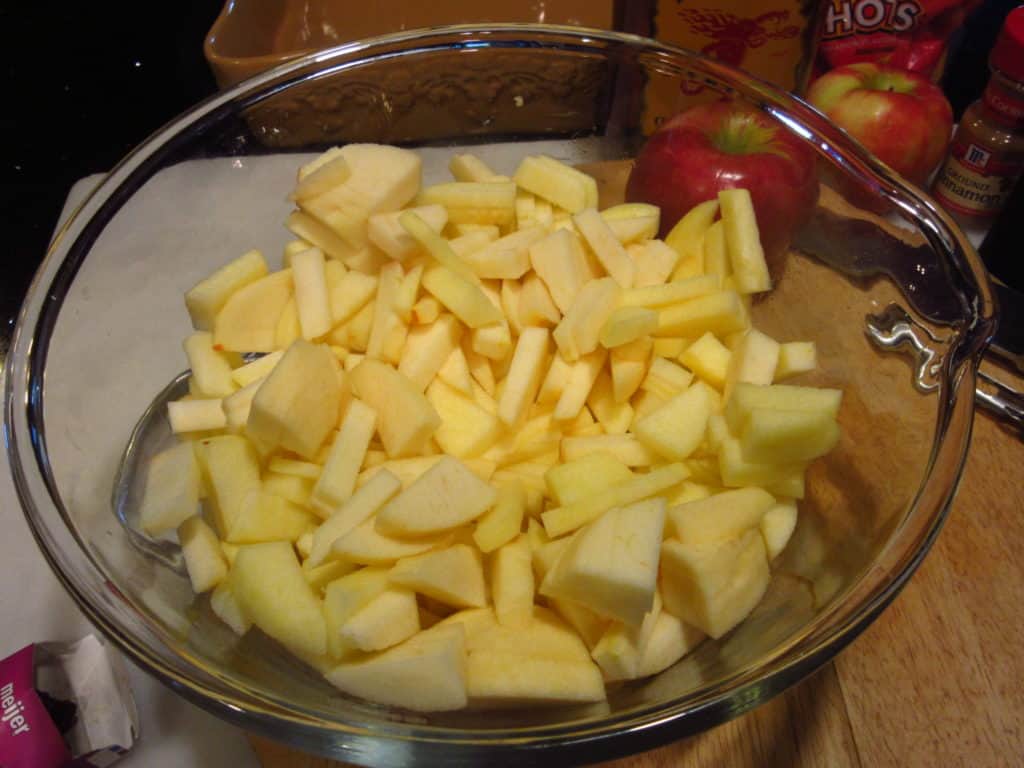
x,y
84,83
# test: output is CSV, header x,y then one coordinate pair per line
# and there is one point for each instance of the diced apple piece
x,y
716,254
383,178
474,202
654,261
562,520
269,585
557,183
247,322
606,247
512,584
786,397
465,429
427,348
359,507
506,258
708,358
225,605
659,296
453,576
627,324
386,620
322,179
455,372
536,307
687,238
171,494
204,559
666,379
472,241
288,327
777,526
296,489
323,237
426,310
508,679
322,575
297,405
365,545
205,300
232,471
619,649
737,472
462,297
615,418
257,369
385,231
524,376
632,222
753,361
311,296
344,597
677,428
211,370
588,475
501,524
493,341
578,333
426,673
482,374
560,262
795,357
405,418
743,241
721,313
350,294
337,481
611,565
629,364
468,167
264,516
670,640
714,586
720,517
784,437
625,448
446,496
388,331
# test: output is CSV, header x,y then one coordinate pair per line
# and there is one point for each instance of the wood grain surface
x,y
937,680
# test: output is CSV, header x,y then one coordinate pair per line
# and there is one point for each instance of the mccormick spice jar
x,y
987,155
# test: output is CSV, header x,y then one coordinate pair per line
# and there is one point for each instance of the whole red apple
x,y
728,145
901,117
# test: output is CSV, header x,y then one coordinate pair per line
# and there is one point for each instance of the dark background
x,y
86,82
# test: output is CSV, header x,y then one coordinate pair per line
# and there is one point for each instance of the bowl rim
x,y
636,729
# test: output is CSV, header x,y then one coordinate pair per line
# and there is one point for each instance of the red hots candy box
x,y
65,705
910,34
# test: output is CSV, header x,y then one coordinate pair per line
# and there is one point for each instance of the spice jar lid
x,y
1008,54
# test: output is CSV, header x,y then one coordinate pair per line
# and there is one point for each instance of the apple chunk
x,y
444,497
405,418
454,576
611,565
171,493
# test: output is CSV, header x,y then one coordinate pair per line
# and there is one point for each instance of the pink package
x,y
64,705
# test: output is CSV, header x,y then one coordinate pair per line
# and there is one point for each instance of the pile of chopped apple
x,y
501,448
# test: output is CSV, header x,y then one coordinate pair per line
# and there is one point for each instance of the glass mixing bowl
x,y
101,329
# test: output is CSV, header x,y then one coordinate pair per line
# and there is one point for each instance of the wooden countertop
x,y
935,681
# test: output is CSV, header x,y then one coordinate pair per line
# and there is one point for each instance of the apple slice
x,y
556,182
708,358
405,418
426,673
204,560
365,545
231,471
344,597
171,493
206,299
468,167
611,565
502,523
560,262
743,241
427,348
248,320
384,621
786,397
609,251
506,258
211,370
670,640
321,179
462,297
626,325
633,222
446,496
257,369
387,233
311,296
270,587
721,313
466,430
454,372
297,405
562,520
625,448
472,202
359,507
720,517
536,307
453,576
676,429
225,606
579,332
675,292
753,361
524,375
512,584
337,481
265,516
795,357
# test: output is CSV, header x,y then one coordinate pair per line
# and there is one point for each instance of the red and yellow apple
x,y
727,145
903,118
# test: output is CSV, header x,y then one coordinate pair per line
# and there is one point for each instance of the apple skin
x,y
901,117
727,145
